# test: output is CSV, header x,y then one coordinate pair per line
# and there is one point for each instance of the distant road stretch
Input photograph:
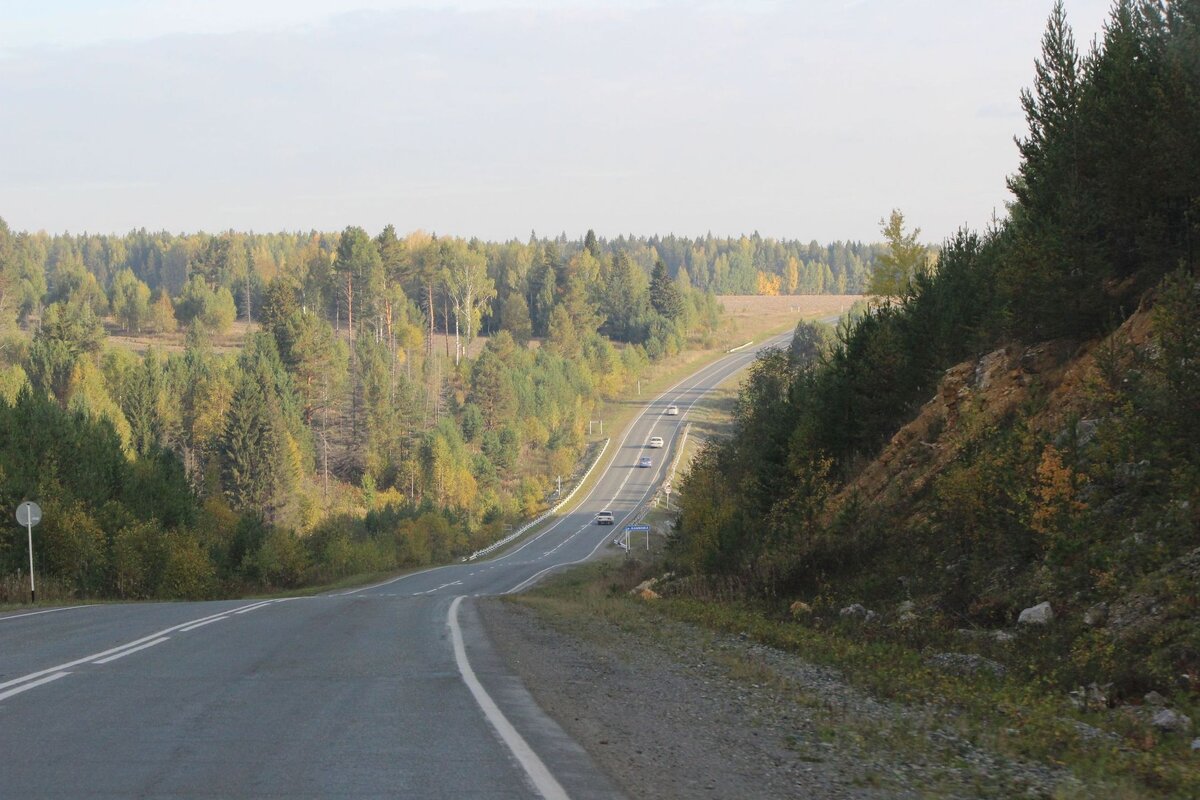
x,y
389,690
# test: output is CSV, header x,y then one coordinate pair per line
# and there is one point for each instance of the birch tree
x,y
469,288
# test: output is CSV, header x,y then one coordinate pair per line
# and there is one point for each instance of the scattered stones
x,y
1195,745
1085,431
688,728
1169,721
1041,614
1096,616
1093,697
906,606
1129,474
1045,356
1091,732
988,368
1154,699
966,664
858,611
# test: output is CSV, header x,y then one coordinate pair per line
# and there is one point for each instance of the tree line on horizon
x,y
341,436
139,274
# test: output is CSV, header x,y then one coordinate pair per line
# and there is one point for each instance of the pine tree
x,y
664,294
514,318
1051,109
249,449
591,245
357,263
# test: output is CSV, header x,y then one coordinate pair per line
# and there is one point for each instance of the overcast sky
x,y
487,118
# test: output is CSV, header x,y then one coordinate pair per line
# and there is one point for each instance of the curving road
x,y
389,690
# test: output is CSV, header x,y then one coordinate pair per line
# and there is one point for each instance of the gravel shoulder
x,y
671,710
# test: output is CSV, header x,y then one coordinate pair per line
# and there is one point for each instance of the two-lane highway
x,y
388,690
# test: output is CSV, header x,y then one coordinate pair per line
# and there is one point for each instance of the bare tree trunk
x,y
350,310
431,309
457,346
325,432
470,317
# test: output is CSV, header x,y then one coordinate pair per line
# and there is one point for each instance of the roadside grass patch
x,y
1027,720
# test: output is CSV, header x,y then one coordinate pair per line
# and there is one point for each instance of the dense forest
x,y
354,423
1032,488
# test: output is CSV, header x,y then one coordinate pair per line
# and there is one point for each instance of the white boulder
x,y
1041,614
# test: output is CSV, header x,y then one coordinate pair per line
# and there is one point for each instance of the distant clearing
x,y
174,342
746,315
756,314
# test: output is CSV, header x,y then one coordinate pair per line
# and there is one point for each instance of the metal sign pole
x,y
32,588
29,514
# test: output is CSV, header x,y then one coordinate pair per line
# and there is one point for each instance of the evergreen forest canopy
x,y
356,389
1106,216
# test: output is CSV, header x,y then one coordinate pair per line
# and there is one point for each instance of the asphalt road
x,y
388,690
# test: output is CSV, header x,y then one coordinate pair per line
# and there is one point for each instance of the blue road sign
x,y
637,528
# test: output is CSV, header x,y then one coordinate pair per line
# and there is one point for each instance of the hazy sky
x,y
487,118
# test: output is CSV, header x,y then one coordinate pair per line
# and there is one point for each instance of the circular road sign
x,y
29,513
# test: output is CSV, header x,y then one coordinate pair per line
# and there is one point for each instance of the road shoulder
x,y
670,710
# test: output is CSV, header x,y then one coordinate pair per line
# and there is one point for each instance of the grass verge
x,y
1114,754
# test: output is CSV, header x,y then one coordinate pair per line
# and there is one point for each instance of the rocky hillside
x,y
1055,473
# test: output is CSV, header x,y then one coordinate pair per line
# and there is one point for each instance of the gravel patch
x,y
683,712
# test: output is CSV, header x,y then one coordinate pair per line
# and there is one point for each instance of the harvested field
x,y
752,315
746,315
803,304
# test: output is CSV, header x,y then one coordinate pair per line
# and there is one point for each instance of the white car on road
x,y
656,441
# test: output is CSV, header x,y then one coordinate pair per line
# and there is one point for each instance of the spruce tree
x,y
664,293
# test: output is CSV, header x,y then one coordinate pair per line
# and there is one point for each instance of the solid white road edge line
x,y
124,653
47,611
545,783
19,689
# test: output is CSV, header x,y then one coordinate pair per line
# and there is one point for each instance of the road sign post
x,y
642,528
29,514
